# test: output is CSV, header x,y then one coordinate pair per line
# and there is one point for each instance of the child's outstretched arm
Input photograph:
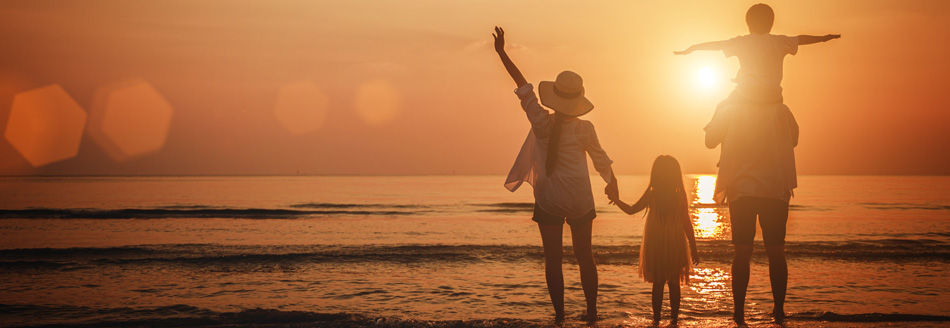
x,y
712,45
809,39
513,70
626,208
633,209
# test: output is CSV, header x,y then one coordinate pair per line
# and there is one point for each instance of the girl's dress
x,y
664,250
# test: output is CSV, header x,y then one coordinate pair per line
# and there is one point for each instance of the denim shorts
x,y
545,218
772,215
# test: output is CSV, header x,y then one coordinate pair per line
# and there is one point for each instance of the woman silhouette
x,y
553,161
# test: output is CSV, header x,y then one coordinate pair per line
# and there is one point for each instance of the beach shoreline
x,y
353,252
260,318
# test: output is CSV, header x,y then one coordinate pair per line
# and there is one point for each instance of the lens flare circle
x,y
378,101
136,119
45,125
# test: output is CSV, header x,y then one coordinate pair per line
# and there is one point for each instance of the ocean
x,y
438,251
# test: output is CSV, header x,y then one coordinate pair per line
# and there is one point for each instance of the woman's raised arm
x,y
513,70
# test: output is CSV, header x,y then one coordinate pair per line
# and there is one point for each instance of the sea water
x,y
192,250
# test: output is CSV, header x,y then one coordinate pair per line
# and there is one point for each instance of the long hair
x,y
665,191
553,141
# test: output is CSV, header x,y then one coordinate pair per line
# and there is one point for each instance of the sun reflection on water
x,y
708,222
710,281
705,190
712,287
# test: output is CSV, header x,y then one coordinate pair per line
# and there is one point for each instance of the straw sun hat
x,y
565,95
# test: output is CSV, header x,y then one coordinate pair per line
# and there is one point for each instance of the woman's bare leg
x,y
657,295
551,237
581,238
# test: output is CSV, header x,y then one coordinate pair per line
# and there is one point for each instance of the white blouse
x,y
567,191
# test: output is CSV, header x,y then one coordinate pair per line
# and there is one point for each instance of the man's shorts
x,y
545,218
772,215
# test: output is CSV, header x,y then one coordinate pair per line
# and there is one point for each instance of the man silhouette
x,y
758,134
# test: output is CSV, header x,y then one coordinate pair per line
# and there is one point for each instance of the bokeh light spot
x,y
130,119
301,107
45,125
378,101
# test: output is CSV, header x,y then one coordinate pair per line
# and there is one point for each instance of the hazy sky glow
x,y
413,87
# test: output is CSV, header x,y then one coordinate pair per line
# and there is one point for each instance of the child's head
x,y
760,18
665,194
666,175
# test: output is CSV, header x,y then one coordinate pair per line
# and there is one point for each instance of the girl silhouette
x,y
664,255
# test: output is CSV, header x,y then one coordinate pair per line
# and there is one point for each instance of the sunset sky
x,y
414,87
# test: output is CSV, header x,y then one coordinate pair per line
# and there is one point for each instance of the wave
x,y
188,212
289,257
867,317
244,258
187,315
300,210
344,205
905,206
807,208
505,207
321,209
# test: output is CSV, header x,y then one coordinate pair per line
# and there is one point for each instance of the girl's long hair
x,y
665,195
553,141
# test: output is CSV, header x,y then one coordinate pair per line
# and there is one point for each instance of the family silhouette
x,y
754,129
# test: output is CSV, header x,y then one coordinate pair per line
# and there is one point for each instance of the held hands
x,y
499,36
613,192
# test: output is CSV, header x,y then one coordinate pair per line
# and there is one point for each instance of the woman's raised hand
x,y
513,70
499,36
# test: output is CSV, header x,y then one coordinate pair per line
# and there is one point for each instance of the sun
x,y
706,77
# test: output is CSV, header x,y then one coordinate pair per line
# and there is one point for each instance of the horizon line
x,y
383,175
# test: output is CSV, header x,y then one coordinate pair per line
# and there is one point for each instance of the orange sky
x,y
413,87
